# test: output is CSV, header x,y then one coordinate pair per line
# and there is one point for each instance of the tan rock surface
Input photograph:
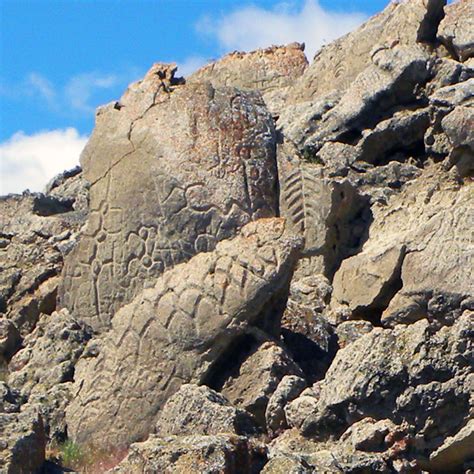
x,y
272,71
175,333
173,169
456,30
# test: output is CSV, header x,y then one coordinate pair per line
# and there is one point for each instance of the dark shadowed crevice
x,y
229,362
49,206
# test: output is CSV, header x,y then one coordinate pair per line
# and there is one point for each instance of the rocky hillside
x,y
266,267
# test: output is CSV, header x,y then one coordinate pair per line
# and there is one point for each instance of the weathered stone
x,y
411,265
306,332
41,372
72,187
331,215
31,256
200,410
287,465
49,354
287,390
272,71
229,454
8,400
456,29
378,277
418,375
10,339
349,331
459,128
369,434
298,410
389,82
256,379
173,169
22,441
178,331
336,65
455,451
307,456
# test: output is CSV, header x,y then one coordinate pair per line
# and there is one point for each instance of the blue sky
x,y
60,59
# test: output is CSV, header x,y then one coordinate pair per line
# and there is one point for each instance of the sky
x,y
60,59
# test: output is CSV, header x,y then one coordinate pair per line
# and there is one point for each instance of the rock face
x,y
206,454
37,231
177,331
267,267
456,29
22,441
364,381
409,268
207,166
43,370
197,409
272,71
258,377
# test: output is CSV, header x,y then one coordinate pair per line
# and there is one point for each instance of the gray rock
x,y
228,454
300,408
331,215
22,441
455,451
456,29
252,384
272,71
178,332
41,372
336,65
173,169
31,257
200,410
287,390
349,331
70,186
10,339
411,265
417,374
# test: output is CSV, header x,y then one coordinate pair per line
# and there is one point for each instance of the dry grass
x,y
85,459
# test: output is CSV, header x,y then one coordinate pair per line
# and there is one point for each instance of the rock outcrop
x,y
272,71
178,332
264,267
173,169
200,410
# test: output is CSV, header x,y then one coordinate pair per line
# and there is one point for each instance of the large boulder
x,y
200,410
420,375
251,384
272,71
456,30
173,169
178,332
22,441
229,454
42,371
416,262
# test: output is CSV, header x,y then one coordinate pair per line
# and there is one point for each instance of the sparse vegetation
x,y
309,155
85,459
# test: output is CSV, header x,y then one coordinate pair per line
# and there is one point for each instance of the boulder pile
x,y
264,267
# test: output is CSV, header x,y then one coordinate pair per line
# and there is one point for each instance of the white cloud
x,y
79,94
80,89
41,85
30,161
252,27
190,65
